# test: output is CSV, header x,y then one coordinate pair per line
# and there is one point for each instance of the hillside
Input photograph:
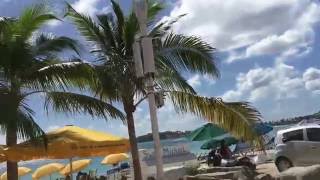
x,y
180,134
163,135
294,120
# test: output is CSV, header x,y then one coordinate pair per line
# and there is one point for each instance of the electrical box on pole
x,y
138,64
146,65
148,58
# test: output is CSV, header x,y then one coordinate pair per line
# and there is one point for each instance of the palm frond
x,y
164,27
131,28
31,19
169,79
77,103
106,22
154,8
188,53
20,120
4,25
120,20
27,128
15,56
86,26
45,45
60,76
237,118
107,86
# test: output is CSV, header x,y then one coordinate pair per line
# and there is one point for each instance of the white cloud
x,y
289,40
197,80
274,83
106,10
311,78
256,27
52,127
278,92
194,81
88,7
279,82
54,23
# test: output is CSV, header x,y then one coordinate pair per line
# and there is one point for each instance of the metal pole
x,y
155,129
141,9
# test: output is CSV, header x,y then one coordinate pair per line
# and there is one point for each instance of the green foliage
x,y
113,36
61,75
188,53
77,103
317,115
30,64
46,45
87,27
228,115
31,19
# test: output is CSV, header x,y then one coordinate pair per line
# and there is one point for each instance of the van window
x,y
313,134
296,135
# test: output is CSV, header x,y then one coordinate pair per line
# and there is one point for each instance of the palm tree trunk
x,y
11,133
12,166
129,109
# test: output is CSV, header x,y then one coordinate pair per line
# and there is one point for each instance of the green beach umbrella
x,y
206,132
214,143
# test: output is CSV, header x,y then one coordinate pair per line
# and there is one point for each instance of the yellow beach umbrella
x,y
21,172
2,158
68,142
75,166
47,170
115,158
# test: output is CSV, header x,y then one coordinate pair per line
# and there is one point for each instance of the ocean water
x,y
193,146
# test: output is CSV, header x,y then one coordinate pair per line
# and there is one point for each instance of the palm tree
x,y
112,36
30,65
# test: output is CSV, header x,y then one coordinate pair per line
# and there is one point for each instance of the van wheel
x,y
283,164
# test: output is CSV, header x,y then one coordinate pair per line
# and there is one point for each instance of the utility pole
x,y
146,68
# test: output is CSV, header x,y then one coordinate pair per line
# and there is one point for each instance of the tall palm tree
x,y
112,36
30,65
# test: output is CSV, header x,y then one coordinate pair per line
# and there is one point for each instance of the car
x,y
297,146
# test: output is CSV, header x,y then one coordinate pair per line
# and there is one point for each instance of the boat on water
x,y
171,154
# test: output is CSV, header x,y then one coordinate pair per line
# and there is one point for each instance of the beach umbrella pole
x,y
71,175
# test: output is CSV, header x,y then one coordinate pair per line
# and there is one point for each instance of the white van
x,y
297,146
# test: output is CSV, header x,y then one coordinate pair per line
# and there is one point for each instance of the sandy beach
x,y
268,168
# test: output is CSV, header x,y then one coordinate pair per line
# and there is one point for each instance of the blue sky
x,y
267,51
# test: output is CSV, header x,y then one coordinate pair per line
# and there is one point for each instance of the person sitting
x,y
225,152
214,158
79,175
124,165
211,156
